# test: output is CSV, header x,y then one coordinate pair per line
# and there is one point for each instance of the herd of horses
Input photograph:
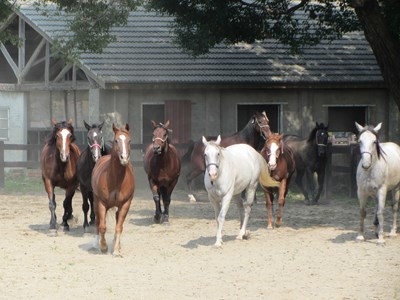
x,y
233,167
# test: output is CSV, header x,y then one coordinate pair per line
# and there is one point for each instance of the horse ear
x,y
204,140
70,122
115,129
87,126
218,141
53,122
101,125
127,126
378,127
166,124
265,115
153,123
359,127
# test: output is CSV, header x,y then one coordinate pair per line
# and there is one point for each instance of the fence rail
x,y
35,164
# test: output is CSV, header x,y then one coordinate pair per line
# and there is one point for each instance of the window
x,y
4,123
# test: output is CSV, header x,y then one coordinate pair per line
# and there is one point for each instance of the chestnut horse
x,y
88,158
113,184
163,166
58,165
281,165
254,134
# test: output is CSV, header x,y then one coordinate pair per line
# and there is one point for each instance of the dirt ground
x,y
313,256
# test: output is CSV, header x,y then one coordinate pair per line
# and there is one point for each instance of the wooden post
x,y
2,164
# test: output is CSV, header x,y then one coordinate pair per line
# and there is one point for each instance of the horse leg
x,y
269,196
52,206
221,217
189,181
282,192
67,204
239,203
85,209
321,179
121,215
92,214
299,182
157,216
395,208
101,212
243,234
166,197
362,198
379,213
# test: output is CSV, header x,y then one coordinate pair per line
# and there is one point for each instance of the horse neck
x,y
250,136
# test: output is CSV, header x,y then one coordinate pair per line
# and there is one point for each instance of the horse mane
x,y
60,125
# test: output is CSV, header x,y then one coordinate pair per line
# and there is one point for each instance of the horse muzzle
x,y
124,160
157,150
64,156
272,167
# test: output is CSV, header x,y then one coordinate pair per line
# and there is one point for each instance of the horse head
x,y
212,156
321,138
95,139
273,148
122,143
160,137
63,136
369,143
261,123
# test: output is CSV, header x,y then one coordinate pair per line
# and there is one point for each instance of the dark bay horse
x,y
58,165
113,184
281,165
95,149
254,134
311,156
163,167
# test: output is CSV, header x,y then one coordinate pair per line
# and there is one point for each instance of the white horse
x,y
229,172
378,172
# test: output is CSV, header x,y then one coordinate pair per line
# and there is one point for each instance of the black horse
x,y
88,158
311,156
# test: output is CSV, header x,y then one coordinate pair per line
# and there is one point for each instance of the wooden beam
x,y
47,65
62,72
21,49
9,59
8,21
33,57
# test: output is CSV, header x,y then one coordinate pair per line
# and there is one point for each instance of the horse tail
x,y
265,178
186,157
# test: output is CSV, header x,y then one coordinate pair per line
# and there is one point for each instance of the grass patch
x,y
20,183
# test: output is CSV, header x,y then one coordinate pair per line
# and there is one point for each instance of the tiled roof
x,y
144,53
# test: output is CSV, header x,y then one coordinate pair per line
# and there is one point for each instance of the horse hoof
x,y
307,202
66,228
218,245
52,232
165,219
192,199
314,203
157,219
360,238
380,242
117,254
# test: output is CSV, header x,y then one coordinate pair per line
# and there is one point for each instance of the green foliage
x,y
201,24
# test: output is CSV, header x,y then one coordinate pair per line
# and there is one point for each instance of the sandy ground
x,y
313,256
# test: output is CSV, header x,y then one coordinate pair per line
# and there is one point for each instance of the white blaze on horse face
x,y
272,158
64,151
367,148
124,156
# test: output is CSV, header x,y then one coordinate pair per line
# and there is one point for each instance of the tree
x,y
201,24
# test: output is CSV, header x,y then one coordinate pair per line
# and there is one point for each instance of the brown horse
x,y
281,165
58,165
254,134
163,167
113,184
